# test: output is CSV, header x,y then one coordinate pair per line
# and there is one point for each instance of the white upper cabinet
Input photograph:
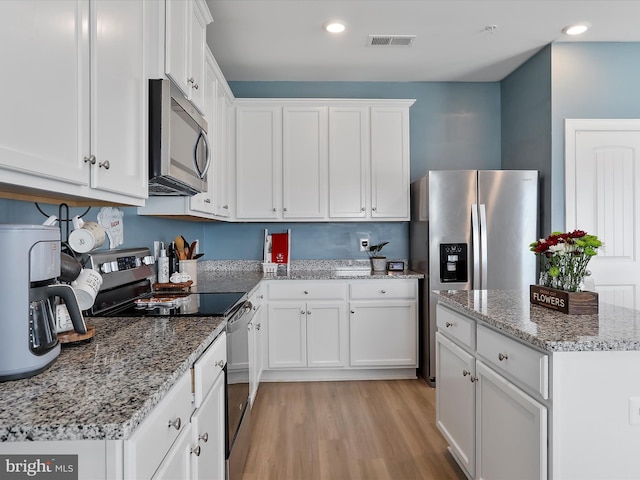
x,y
304,162
258,162
80,132
327,160
186,24
390,163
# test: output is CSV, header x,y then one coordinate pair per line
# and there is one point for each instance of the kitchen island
x,y
527,392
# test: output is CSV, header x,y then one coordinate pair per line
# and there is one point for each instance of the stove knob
x,y
106,267
149,260
114,266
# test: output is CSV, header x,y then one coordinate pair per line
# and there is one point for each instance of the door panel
x,y
603,174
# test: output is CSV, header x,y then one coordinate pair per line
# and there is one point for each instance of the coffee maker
x,y
28,289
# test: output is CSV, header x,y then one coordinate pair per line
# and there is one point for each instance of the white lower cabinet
x,y
309,328
308,334
184,436
455,401
495,427
256,351
511,430
207,450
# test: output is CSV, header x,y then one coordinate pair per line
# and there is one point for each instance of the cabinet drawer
x,y
154,436
525,365
381,290
300,290
456,326
208,367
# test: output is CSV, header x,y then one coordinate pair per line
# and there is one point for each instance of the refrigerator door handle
x,y
475,241
483,245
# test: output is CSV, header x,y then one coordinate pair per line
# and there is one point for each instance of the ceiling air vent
x,y
390,40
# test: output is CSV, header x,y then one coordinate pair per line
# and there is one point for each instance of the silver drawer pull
x,y
196,451
90,159
219,363
204,438
306,292
177,423
448,324
383,291
473,379
258,327
105,164
465,373
502,356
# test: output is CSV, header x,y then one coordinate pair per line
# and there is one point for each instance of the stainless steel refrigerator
x,y
470,230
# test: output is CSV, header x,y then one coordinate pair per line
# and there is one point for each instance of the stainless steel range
x,y
126,292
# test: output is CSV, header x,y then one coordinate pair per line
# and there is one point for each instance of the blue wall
x,y
453,126
526,124
589,80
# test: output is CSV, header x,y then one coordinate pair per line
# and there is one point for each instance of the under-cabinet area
x,y
526,392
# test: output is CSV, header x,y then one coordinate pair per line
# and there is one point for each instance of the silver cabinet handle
x,y
226,207
90,159
502,356
204,437
465,373
362,209
353,311
306,292
195,86
196,451
191,80
448,324
207,200
383,291
105,164
373,208
473,379
285,209
177,423
258,327
219,363
302,312
308,312
273,209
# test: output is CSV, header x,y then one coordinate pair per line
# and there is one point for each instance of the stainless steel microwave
x,y
179,149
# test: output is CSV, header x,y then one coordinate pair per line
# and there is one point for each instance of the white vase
x,y
379,264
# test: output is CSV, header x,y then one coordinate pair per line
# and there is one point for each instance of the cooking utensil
x,y
179,241
192,250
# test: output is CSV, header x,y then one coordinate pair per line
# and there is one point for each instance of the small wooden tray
x,y
74,337
172,286
573,303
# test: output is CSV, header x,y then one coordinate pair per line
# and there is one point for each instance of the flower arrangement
x,y
564,258
374,250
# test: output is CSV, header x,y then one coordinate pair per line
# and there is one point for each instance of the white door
x,y
602,162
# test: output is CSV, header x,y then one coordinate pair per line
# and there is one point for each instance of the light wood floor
x,y
364,430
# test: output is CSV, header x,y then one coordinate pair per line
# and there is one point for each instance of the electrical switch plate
x,y
634,411
364,244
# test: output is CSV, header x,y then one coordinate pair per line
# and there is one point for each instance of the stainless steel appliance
x,y
28,289
470,229
179,151
126,292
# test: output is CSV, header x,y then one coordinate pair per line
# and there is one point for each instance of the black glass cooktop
x,y
176,304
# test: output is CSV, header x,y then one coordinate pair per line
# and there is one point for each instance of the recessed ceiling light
x,y
576,29
334,27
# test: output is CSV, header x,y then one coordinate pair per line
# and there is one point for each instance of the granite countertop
x,y
613,328
104,388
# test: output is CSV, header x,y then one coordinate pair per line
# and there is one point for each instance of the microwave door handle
x,y
203,172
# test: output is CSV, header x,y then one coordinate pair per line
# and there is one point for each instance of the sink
x,y
352,272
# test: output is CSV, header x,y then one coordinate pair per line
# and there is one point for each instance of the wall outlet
x,y
364,244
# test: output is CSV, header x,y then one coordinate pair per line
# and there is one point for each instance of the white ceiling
x,y
280,40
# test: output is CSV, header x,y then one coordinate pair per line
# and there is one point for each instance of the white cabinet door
x,y
208,441
326,334
44,121
383,333
348,162
287,335
390,162
511,430
118,98
200,18
176,464
255,344
455,400
304,162
222,167
178,18
258,162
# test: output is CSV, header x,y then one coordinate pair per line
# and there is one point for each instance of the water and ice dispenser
x,y
453,262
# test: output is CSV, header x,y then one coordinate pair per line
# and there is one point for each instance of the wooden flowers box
x,y
573,303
